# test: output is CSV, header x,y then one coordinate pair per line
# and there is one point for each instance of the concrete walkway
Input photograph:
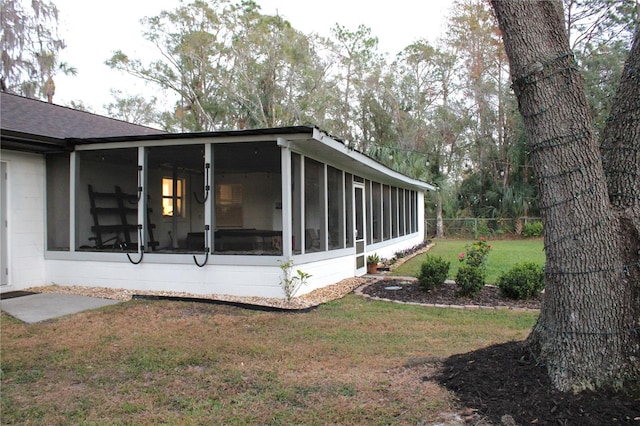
x,y
44,306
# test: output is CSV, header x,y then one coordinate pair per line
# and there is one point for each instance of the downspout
x,y
206,248
207,187
140,247
142,205
207,206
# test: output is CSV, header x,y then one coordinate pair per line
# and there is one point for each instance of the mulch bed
x,y
503,384
489,296
503,380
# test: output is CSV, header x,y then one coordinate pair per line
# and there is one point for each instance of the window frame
x,y
179,200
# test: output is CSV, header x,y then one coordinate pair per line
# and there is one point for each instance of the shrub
x,y
470,280
433,272
483,228
476,253
533,229
523,281
407,252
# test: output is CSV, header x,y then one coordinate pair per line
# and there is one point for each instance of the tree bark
x,y
587,332
439,220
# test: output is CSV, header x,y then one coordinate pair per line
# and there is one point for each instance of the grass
x,y
503,255
351,361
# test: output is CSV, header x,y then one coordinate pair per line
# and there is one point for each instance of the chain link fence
x,y
474,227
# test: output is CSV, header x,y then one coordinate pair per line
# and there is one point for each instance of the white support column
x,y
343,234
73,176
325,232
396,206
421,215
381,211
368,195
303,212
287,203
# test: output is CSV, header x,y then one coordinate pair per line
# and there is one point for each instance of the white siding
x,y
239,280
26,219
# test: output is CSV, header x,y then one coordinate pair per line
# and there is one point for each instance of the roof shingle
x,y
31,116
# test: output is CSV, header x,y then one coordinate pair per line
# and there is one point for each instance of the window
x,y
296,202
172,197
248,212
229,205
335,200
58,201
376,207
106,208
314,206
394,212
386,212
348,191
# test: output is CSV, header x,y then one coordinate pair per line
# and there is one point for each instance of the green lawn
x,y
352,361
503,255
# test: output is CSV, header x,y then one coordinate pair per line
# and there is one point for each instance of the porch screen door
x,y
359,229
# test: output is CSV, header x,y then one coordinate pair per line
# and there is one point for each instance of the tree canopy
x,y
440,111
30,48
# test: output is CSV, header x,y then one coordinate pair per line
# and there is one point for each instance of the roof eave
x,y
340,155
218,135
356,155
25,142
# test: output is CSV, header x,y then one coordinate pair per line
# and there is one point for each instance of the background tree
x,y
133,109
193,43
30,48
600,34
276,75
226,65
81,106
417,78
483,70
229,66
431,118
356,53
587,332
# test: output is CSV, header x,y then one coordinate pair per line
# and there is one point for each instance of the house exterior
x,y
92,201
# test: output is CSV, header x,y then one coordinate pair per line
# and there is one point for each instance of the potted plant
x,y
372,263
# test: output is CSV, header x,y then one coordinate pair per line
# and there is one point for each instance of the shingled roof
x,y
32,125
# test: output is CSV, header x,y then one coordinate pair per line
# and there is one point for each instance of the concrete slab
x,y
43,306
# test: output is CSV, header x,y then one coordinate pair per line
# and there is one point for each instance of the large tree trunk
x,y
439,220
587,332
621,160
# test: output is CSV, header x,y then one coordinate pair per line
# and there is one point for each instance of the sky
x,y
93,30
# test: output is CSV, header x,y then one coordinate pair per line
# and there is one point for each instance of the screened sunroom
x,y
220,212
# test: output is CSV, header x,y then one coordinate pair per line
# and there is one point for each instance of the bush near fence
x,y
475,227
